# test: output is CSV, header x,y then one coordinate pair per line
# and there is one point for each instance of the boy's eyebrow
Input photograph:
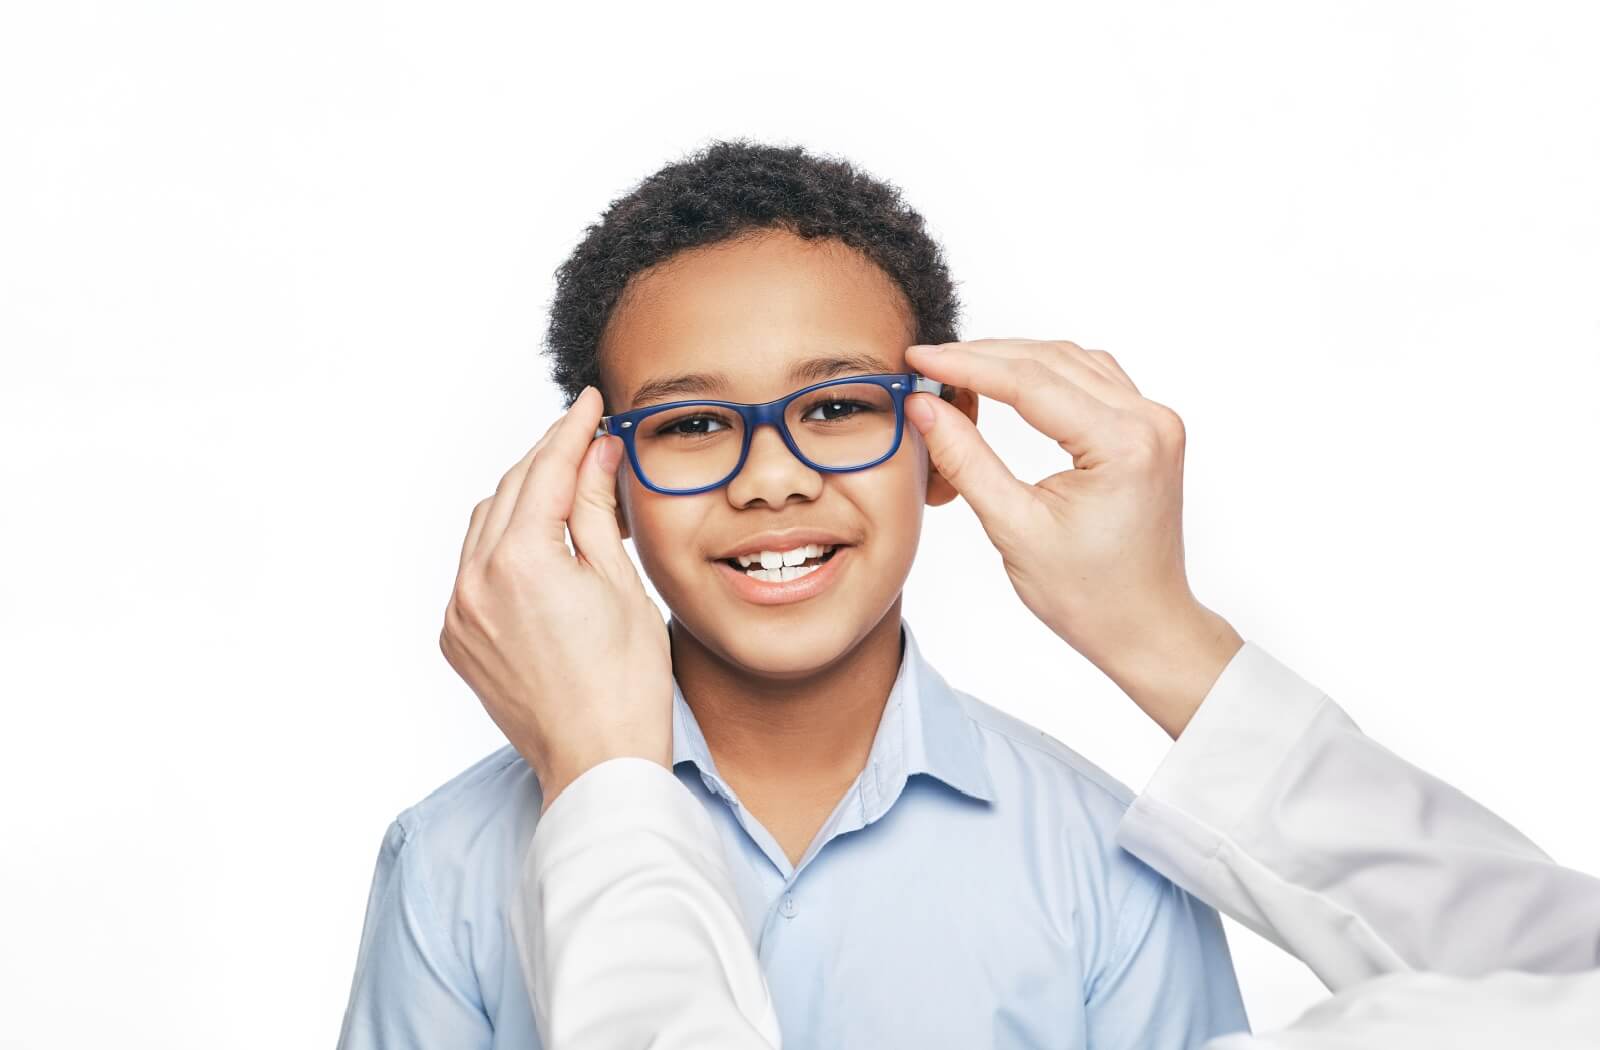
x,y
811,370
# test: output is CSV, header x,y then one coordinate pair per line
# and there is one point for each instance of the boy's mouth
x,y
781,566
814,570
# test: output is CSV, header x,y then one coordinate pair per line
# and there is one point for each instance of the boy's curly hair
x,y
727,189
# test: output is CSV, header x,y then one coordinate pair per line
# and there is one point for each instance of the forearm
x,y
1165,658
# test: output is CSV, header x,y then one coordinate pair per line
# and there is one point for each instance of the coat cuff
x,y
617,798
1245,727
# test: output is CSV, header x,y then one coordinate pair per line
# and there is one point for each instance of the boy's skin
x,y
789,696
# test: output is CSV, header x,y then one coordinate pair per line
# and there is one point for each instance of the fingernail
x,y
925,347
920,412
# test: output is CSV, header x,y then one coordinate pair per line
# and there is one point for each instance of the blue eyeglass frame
x,y
626,424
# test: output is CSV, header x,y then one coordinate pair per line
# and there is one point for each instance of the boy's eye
x,y
691,426
836,408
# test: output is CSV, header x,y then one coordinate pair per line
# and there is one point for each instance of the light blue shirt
x,y
965,892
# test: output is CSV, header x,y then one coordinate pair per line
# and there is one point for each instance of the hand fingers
x,y
965,460
504,499
1072,361
1114,389
480,511
545,500
1109,363
1098,360
1050,401
593,522
1061,352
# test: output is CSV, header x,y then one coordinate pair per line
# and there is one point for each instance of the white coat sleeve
x,y
1507,1010
625,921
1274,808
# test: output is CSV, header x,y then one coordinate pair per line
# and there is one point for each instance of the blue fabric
x,y
966,892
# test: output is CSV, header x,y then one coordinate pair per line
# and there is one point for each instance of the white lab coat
x,y
1435,922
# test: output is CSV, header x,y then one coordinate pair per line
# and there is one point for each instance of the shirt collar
x,y
924,729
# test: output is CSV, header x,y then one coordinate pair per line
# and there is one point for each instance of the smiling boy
x,y
915,867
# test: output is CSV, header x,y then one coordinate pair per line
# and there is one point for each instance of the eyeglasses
x,y
839,426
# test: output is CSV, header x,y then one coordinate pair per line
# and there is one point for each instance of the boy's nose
x,y
772,474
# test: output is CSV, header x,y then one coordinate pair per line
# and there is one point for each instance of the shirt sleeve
x,y
1275,808
1169,983
411,989
626,922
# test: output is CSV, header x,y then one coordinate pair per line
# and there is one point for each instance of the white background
x,y
274,283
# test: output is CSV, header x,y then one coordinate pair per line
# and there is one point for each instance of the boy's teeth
x,y
779,559
775,561
782,574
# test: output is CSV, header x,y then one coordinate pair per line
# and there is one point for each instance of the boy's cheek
x,y
666,535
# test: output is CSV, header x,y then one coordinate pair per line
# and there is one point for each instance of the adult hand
x,y
1096,552
564,648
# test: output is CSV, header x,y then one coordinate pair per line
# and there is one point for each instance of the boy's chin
x,y
799,648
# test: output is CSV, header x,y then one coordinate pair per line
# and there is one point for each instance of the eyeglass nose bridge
x,y
773,414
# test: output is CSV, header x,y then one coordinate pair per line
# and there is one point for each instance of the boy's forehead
x,y
756,313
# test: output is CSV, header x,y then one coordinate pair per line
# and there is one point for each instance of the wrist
x,y
555,776
1169,664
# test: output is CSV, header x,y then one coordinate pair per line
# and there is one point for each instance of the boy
x,y
915,867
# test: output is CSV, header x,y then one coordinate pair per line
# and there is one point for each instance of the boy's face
x,y
749,310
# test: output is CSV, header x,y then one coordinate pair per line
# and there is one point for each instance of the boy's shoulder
x,y
485,787
499,790
446,873
470,832
1024,760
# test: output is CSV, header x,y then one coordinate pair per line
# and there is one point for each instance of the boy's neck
x,y
816,730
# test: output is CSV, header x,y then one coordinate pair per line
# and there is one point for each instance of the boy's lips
x,y
760,592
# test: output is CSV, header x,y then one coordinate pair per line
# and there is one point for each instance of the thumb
x,y
593,521
964,459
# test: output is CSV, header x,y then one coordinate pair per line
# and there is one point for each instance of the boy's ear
x,y
941,491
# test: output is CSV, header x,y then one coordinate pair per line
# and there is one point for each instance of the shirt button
x,y
787,907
